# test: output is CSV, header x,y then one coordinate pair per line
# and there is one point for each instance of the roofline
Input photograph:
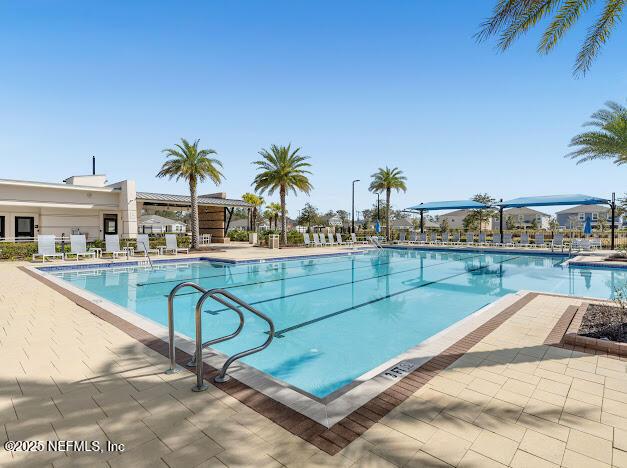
x,y
32,183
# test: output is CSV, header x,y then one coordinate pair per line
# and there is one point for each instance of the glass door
x,y
110,222
2,232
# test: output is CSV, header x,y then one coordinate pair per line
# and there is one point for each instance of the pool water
x,y
338,317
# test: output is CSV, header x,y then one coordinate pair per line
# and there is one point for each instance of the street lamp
x,y
353,207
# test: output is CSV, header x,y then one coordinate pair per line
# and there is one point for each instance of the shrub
x,y
239,235
17,250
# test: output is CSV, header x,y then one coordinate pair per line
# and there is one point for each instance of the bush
x,y
239,235
17,250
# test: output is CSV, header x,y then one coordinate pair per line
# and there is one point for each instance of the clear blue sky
x,y
357,84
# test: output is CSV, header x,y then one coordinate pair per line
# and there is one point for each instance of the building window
x,y
110,222
595,216
582,216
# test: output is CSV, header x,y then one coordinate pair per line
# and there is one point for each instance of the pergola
x,y
445,205
545,200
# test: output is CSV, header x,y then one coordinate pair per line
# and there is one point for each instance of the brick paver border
x,y
331,440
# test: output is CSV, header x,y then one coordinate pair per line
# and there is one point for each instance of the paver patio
x,y
510,401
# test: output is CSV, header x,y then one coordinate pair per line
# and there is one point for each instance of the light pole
x,y
353,208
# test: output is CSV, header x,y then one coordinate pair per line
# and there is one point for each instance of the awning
x,y
448,205
553,200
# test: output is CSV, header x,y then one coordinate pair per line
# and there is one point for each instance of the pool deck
x,y
505,396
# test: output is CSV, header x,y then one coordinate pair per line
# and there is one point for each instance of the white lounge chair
x,y
78,247
413,238
422,238
558,241
539,240
433,238
306,240
355,241
171,245
507,240
482,239
338,236
143,246
112,246
470,238
401,238
496,240
456,238
524,240
445,236
46,248
316,240
330,242
595,243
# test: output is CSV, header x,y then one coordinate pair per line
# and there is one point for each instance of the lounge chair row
x,y
320,240
46,247
507,240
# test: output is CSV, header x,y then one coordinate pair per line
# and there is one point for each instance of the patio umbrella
x,y
377,226
587,227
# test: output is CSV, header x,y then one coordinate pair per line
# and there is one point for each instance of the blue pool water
x,y
339,317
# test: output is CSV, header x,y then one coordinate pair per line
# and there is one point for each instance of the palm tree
x,y
274,210
513,18
608,142
194,165
256,201
386,180
282,169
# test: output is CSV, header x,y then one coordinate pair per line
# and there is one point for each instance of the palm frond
x,y
598,35
566,16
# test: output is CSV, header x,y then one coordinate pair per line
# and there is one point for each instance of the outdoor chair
x,y
78,247
355,241
338,236
470,238
306,239
445,238
316,240
539,240
331,243
496,240
46,248
323,239
595,243
507,240
422,238
171,245
456,238
143,246
558,241
112,246
433,238
413,238
482,239
401,238
524,240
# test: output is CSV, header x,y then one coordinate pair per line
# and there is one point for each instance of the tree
x,y
309,215
478,216
510,223
608,142
444,226
554,225
513,18
257,202
602,223
194,165
285,170
272,213
534,224
330,214
386,180
343,215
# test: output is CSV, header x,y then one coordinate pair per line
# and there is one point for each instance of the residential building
x,y
525,218
575,217
455,220
155,224
90,205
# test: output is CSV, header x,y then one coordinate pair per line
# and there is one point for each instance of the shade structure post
x,y
422,224
501,222
613,207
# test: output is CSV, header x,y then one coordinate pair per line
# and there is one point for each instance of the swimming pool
x,y
339,317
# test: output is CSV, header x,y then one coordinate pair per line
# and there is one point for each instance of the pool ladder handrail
x,y
197,359
147,255
375,242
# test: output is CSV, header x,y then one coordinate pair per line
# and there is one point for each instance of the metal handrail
x,y
197,359
147,254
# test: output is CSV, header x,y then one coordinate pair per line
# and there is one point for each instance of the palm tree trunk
x,y
388,194
283,217
194,201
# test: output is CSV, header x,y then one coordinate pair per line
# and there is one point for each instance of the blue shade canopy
x,y
449,205
553,200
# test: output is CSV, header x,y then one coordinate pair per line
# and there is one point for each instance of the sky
x,y
356,84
